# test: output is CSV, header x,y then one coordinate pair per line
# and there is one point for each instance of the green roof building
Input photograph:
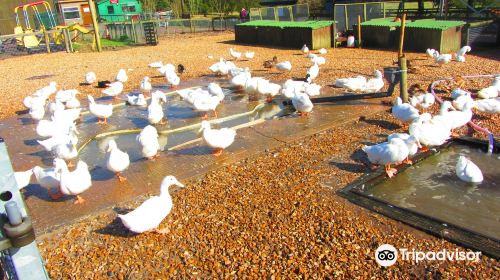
x,y
118,10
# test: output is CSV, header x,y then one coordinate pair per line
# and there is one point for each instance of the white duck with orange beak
x,y
153,211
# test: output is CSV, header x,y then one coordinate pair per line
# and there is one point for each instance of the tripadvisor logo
x,y
387,255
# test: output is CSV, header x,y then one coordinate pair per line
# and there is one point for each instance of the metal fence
x,y
346,15
298,12
35,42
133,30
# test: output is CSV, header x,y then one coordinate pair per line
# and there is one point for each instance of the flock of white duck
x,y
430,131
62,135
446,58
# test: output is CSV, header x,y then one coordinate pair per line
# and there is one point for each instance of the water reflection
x,y
432,188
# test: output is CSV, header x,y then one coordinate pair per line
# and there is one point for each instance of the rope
x,y
491,139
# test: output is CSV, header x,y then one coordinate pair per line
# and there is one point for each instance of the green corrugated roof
x,y
283,24
423,23
381,22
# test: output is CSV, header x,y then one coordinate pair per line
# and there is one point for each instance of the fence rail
x,y
299,12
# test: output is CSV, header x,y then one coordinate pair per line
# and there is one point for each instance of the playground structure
x,y
35,37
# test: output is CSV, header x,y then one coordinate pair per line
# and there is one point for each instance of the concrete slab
x,y
186,162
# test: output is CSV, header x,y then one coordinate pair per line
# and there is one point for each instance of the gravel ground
x,y
259,218
256,218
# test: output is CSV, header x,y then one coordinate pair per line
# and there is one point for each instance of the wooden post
x,y
46,37
94,23
67,39
402,36
359,31
403,87
402,63
346,18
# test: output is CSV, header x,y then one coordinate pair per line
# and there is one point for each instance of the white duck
x,y
311,56
496,82
460,58
65,95
251,84
122,76
205,103
47,178
312,73
75,182
101,111
312,89
410,141
455,119
68,136
46,91
442,58
468,171
48,128
155,110
429,132
462,51
491,105
114,89
240,80
65,151
374,84
458,92
249,55
172,79
461,100
146,84
302,104
404,111
23,178
56,105
236,71
318,60
236,55
392,152
116,160
218,139
148,138
90,78
30,101
305,49
136,100
322,51
430,52
156,64
151,212
268,89
166,68
489,92
284,66
37,111
354,84
425,100
67,115
73,102
215,90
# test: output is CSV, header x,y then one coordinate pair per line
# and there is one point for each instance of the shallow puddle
x,y
432,188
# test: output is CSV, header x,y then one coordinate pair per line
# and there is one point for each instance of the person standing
x,y
243,15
